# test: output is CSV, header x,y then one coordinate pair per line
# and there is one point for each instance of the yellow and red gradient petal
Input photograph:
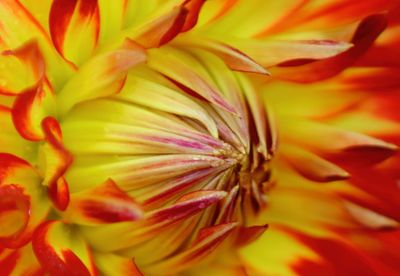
x,y
102,204
29,109
340,256
115,265
61,251
235,59
180,19
286,252
21,261
367,31
152,226
54,160
102,76
22,68
19,26
181,68
74,28
23,201
15,208
207,241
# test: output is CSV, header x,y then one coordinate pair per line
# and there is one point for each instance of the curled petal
x,y
62,252
105,203
74,28
27,61
11,166
54,161
14,213
30,108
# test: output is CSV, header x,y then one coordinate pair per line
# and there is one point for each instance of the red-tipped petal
x,y
57,158
9,164
33,68
14,214
28,111
74,28
194,8
368,30
162,30
60,252
105,203
249,234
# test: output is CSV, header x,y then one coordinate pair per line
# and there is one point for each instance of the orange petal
x,y
105,203
21,261
74,28
62,252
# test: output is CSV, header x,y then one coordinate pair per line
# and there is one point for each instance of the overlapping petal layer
x,y
187,137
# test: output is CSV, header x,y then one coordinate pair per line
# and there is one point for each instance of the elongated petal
x,y
177,66
233,57
102,76
313,167
207,241
105,203
161,30
154,223
74,28
60,252
366,33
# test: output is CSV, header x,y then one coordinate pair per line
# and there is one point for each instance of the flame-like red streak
x,y
50,260
61,13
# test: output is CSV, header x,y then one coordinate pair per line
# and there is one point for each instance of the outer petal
x,y
62,252
19,261
368,30
74,28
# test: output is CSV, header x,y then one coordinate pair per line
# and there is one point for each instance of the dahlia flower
x,y
193,137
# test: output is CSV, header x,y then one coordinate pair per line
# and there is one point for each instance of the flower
x,y
186,137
